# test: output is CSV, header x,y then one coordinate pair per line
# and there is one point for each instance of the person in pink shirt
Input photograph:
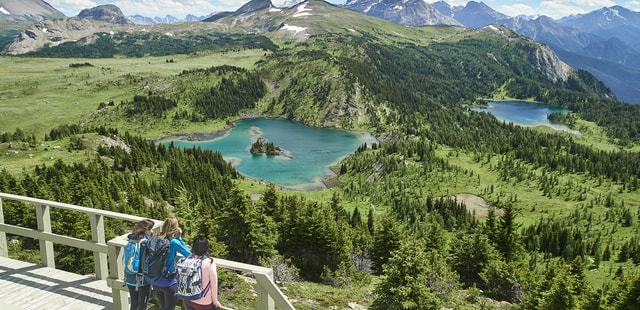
x,y
210,300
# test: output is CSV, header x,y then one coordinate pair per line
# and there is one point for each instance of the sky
x,y
181,8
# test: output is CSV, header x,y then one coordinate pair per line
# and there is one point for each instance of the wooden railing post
x,y
43,216
265,301
4,250
116,272
98,236
265,282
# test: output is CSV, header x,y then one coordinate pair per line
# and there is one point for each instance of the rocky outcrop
x,y
549,63
105,13
57,31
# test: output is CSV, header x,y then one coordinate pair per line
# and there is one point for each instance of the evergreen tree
x,y
270,200
559,290
470,253
506,280
371,221
508,239
414,279
629,294
386,240
340,213
491,225
312,239
249,234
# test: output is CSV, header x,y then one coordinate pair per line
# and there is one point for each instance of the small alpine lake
x,y
307,152
524,113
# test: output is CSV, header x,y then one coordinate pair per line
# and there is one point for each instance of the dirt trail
x,y
475,203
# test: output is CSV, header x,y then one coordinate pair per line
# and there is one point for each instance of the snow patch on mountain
x,y
369,8
295,29
4,11
302,11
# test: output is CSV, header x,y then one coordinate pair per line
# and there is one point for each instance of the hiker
x,y
165,284
209,281
139,288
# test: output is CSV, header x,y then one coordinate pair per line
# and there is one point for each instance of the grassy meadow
x,y
37,94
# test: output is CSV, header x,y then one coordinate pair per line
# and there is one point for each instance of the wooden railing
x,y
108,255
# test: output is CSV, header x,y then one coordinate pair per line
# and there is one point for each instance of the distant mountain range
x,y
605,42
168,19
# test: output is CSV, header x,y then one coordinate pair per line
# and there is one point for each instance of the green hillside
x,y
452,208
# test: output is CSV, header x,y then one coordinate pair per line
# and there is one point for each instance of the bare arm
x,y
213,277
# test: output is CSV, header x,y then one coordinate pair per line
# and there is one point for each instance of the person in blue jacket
x,y
139,288
165,287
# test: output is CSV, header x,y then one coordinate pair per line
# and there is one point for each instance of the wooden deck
x,y
26,286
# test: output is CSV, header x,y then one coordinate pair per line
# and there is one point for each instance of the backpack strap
x,y
141,261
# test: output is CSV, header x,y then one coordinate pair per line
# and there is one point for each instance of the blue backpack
x,y
131,258
155,257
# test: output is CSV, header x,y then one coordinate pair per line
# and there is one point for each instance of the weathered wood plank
x,y
26,286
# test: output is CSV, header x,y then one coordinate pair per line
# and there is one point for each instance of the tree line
x,y
153,44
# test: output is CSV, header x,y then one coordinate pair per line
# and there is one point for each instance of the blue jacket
x,y
177,245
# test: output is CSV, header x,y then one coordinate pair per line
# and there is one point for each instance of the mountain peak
x,y
105,13
604,18
249,7
478,14
254,5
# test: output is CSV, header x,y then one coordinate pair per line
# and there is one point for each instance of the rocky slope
x,y
27,11
53,32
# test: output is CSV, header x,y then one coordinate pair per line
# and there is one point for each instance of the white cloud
x,y
632,5
558,9
517,9
592,3
177,8
72,7
151,8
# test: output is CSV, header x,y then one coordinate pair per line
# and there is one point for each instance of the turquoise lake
x,y
524,113
309,151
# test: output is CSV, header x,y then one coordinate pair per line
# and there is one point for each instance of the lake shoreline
x,y
316,183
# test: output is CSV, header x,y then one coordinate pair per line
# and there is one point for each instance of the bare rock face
x,y
27,11
56,31
548,63
105,13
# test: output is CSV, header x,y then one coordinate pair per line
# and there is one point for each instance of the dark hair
x,y
200,246
142,227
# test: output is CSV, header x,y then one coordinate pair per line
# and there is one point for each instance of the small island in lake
x,y
261,146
